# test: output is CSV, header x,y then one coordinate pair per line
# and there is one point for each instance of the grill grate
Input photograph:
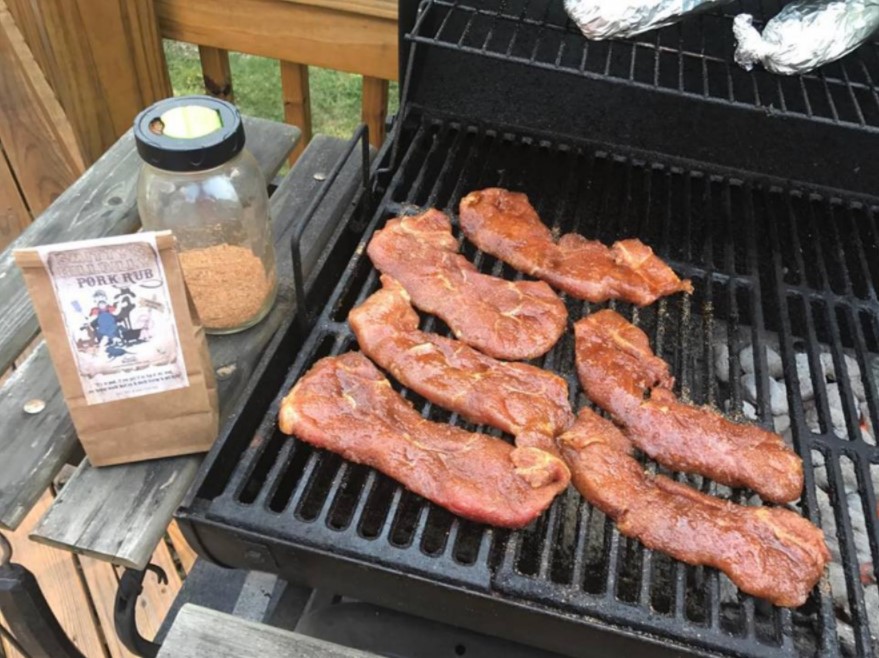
x,y
694,57
777,268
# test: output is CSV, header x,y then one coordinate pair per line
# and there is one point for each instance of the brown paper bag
x,y
133,364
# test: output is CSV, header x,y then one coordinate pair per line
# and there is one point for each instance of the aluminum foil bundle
x,y
805,34
602,19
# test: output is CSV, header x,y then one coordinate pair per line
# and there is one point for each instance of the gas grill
x,y
756,187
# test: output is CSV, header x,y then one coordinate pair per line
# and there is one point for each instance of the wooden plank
x,y
73,76
184,551
297,102
103,583
216,72
104,60
287,31
145,495
374,108
377,8
202,633
101,203
33,31
34,131
102,580
33,447
145,43
14,215
122,38
57,574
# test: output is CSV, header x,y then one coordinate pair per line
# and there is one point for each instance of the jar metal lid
x,y
191,143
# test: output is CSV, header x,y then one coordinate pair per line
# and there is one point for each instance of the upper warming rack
x,y
694,57
676,90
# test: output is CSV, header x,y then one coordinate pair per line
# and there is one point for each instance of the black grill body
x,y
789,266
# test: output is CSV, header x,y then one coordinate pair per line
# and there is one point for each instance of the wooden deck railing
x,y
103,61
357,36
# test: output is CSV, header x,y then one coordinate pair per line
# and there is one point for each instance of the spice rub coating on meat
x,y
772,553
513,320
620,373
522,400
505,225
344,404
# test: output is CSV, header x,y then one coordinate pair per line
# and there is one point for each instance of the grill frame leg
x,y
31,621
130,588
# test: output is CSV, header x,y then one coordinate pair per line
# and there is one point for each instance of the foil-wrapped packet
x,y
603,19
805,34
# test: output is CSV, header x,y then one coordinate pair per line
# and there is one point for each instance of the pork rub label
x,y
114,299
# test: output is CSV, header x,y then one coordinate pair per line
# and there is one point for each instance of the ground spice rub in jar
x,y
200,182
229,285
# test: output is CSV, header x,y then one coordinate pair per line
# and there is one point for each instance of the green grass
x,y
335,96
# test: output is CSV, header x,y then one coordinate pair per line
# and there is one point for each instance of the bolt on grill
x,y
775,268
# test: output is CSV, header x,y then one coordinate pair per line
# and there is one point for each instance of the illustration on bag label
x,y
117,312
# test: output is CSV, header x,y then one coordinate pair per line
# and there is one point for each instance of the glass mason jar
x,y
200,182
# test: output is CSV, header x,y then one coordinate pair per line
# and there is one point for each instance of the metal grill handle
x,y
304,314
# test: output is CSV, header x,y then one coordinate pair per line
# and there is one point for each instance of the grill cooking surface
x,y
694,57
780,270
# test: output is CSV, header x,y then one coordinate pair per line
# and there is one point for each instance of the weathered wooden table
x,y
203,633
119,514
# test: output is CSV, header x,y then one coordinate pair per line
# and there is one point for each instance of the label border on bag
x,y
113,297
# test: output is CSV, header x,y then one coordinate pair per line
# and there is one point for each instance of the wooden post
x,y
103,59
14,215
297,102
375,108
216,72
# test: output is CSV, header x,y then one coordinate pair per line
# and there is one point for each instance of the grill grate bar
x,y
282,463
584,522
387,527
421,525
850,560
324,504
517,31
827,628
843,381
305,477
714,604
547,544
863,264
368,485
750,620
680,591
785,630
870,503
646,578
